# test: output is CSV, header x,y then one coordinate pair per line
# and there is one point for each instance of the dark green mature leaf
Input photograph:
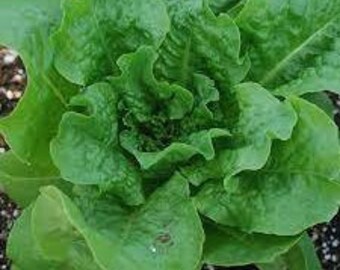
x,y
26,27
86,149
157,236
294,44
261,119
226,246
304,181
94,34
200,42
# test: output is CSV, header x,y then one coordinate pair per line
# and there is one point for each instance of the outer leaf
x,y
22,182
301,257
86,149
22,245
94,34
203,43
26,250
155,237
323,101
296,185
34,122
261,119
294,43
226,246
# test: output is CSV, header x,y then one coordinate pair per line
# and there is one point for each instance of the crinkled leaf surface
x,y
94,34
260,119
294,44
149,103
29,129
226,246
142,95
203,43
157,236
295,190
86,149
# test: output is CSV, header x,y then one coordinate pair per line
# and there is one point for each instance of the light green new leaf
x,y
25,27
294,45
95,33
261,118
226,246
295,190
86,148
200,42
200,143
142,95
147,102
158,236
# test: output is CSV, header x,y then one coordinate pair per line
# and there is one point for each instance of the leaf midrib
x,y
269,77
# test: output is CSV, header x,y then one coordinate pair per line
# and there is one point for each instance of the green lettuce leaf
x,y
142,95
293,191
22,181
94,34
153,110
301,257
124,95
294,45
86,149
29,129
232,7
200,42
107,236
24,246
226,246
260,118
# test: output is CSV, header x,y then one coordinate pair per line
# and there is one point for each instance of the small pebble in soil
x,y
327,240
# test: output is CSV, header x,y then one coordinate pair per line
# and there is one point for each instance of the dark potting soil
x,y
12,83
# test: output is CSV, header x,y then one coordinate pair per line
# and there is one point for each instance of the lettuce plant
x,y
164,134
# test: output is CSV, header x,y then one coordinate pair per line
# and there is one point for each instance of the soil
x,y
12,84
